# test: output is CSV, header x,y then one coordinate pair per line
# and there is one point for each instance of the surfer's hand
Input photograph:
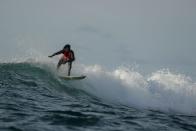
x,y
50,56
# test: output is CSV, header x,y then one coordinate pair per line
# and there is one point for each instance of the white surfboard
x,y
73,77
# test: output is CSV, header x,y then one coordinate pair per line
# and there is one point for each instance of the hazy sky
x,y
101,31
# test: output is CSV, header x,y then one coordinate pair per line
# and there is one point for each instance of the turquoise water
x,y
34,98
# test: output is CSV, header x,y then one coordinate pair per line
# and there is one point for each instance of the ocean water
x,y
34,98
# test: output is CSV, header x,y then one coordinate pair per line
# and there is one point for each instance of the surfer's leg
x,y
69,68
59,64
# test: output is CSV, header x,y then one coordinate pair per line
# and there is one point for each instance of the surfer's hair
x,y
67,46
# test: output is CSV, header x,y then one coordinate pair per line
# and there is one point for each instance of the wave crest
x,y
162,90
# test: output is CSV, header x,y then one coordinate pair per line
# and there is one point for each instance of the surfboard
x,y
73,77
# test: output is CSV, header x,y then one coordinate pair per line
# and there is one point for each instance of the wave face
x,y
33,97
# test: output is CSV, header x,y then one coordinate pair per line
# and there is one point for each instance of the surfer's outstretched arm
x,y
57,53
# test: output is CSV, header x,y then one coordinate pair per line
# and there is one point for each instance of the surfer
x,y
68,57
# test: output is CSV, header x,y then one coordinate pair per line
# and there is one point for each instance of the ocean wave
x,y
161,90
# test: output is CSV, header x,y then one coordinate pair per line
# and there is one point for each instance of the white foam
x,y
162,90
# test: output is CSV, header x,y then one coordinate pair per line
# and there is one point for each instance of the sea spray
x,y
162,90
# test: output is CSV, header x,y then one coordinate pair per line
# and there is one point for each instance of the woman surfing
x,y
68,57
